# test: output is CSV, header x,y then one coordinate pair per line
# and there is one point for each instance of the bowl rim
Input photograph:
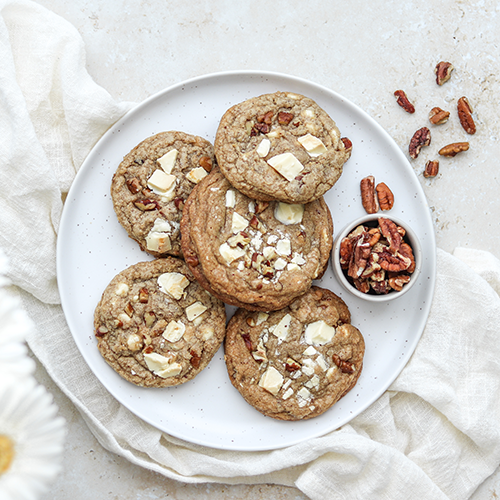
x,y
414,243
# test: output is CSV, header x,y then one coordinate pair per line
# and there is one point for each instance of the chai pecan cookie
x,y
156,326
295,363
151,184
280,146
257,255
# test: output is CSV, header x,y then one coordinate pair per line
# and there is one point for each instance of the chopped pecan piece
x,y
438,116
266,118
431,168
465,115
146,205
380,287
347,144
284,118
179,203
453,149
260,206
143,295
368,196
246,339
101,331
195,359
422,137
359,259
149,318
206,163
345,366
404,102
134,185
363,285
397,282
291,365
129,310
385,196
443,71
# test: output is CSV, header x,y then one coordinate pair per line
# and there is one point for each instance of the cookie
x,y
257,255
156,326
280,146
296,363
151,184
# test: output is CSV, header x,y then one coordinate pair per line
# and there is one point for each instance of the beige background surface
x,y
362,50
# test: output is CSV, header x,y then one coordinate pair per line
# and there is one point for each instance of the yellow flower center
x,y
6,453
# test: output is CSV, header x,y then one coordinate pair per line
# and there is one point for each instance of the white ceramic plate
x,y
93,247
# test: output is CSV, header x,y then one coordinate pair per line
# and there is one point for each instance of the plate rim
x,y
432,261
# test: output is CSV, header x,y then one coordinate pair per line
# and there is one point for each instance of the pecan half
x,y
397,282
266,118
422,137
438,116
390,232
431,168
465,115
453,149
443,71
368,195
404,102
385,196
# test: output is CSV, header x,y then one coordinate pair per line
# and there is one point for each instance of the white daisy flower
x,y
31,439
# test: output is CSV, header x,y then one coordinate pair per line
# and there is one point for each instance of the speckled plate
x,y
93,247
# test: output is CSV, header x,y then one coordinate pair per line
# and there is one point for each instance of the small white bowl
x,y
410,238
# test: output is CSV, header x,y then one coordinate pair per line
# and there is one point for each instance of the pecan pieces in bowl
x,y
377,258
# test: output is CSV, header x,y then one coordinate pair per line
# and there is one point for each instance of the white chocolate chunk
x,y
313,383
269,252
281,329
174,331
310,351
287,393
331,371
122,289
304,393
280,264
230,198
195,310
251,207
162,366
292,267
319,333
283,247
320,360
229,254
287,165
196,175
160,182
173,284
261,317
207,332
289,213
238,223
134,342
167,161
158,238
271,380
298,259
260,352
308,366
312,145
124,318
171,370
263,148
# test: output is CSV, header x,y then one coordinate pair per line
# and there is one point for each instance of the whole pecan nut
x,y
438,116
368,195
385,196
443,71
465,115
422,137
453,149
431,168
404,102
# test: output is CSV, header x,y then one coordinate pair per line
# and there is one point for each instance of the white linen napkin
x,y
434,434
